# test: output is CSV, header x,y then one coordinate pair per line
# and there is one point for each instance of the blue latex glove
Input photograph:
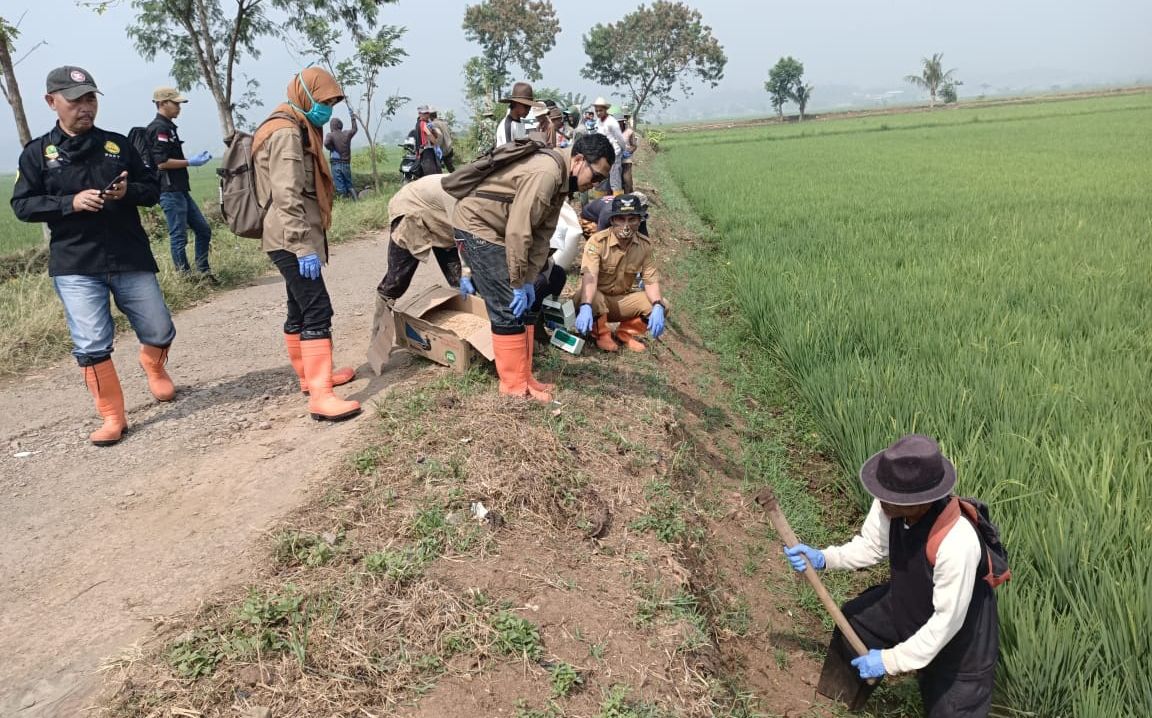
x,y
871,665
200,159
656,321
626,155
797,553
466,286
584,319
520,301
309,266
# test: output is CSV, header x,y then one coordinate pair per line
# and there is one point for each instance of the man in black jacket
x,y
180,210
86,184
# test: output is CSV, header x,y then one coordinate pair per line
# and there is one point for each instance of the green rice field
x,y
984,276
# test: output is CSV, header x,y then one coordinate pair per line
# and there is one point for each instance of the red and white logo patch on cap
x,y
78,76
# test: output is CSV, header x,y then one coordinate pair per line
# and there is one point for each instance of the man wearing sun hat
x,y
87,184
520,102
180,210
939,620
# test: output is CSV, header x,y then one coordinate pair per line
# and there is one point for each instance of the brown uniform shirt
x,y
614,267
536,189
285,171
424,211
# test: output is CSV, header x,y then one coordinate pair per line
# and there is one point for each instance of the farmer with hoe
x,y
941,619
504,227
180,210
292,170
86,184
612,259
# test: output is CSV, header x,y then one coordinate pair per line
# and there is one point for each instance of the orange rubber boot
x,y
533,384
603,334
512,366
153,360
628,330
316,355
102,381
340,376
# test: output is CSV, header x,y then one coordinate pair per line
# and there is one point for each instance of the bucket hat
x,y
601,102
521,94
909,472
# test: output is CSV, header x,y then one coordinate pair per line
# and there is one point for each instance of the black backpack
x,y
996,571
138,138
464,181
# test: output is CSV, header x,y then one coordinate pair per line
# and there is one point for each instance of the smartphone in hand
x,y
113,184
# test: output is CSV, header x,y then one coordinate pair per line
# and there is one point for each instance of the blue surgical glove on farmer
x,y
466,286
584,319
871,665
309,266
656,321
520,300
200,159
797,553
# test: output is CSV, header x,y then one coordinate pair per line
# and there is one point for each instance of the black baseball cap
x,y
72,82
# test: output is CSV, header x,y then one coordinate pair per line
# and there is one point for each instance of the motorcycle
x,y
410,163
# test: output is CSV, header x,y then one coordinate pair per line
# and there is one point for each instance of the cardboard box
x,y
559,314
436,323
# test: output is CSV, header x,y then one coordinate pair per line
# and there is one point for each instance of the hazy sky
x,y
1017,43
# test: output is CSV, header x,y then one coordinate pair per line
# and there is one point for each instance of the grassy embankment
x,y
32,327
981,276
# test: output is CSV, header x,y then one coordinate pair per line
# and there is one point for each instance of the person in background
x,y
596,216
611,260
448,159
338,142
504,228
938,620
543,132
427,143
631,142
180,210
520,102
607,125
86,184
292,171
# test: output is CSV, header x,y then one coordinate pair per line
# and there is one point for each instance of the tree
x,y
510,33
207,39
10,88
932,76
802,94
783,79
653,52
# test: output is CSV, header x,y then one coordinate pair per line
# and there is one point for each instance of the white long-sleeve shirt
x,y
509,129
957,561
610,128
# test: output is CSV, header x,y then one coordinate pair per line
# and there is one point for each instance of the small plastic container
x,y
567,342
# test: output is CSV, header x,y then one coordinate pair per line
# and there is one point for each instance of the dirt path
x,y
94,542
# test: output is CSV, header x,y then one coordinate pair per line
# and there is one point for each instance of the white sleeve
x,y
867,548
957,561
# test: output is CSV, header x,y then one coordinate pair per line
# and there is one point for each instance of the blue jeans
x,y
342,176
181,212
489,263
86,306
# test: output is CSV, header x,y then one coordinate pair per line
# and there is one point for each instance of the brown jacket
x,y
518,207
420,215
614,268
287,172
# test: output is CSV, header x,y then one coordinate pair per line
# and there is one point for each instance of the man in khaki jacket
x,y
504,228
293,173
420,226
612,258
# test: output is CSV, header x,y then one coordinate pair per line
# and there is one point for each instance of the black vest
x,y
973,651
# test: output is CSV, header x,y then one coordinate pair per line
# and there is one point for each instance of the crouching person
x,y
611,260
291,169
420,227
937,614
86,184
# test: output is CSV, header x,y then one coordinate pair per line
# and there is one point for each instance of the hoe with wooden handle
x,y
838,679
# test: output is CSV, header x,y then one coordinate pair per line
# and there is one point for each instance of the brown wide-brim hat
x,y
911,471
521,94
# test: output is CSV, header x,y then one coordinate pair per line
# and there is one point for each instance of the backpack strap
x,y
944,523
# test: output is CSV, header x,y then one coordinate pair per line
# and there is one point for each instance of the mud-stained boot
x,y
340,376
512,366
153,360
316,355
533,384
603,335
104,385
628,330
